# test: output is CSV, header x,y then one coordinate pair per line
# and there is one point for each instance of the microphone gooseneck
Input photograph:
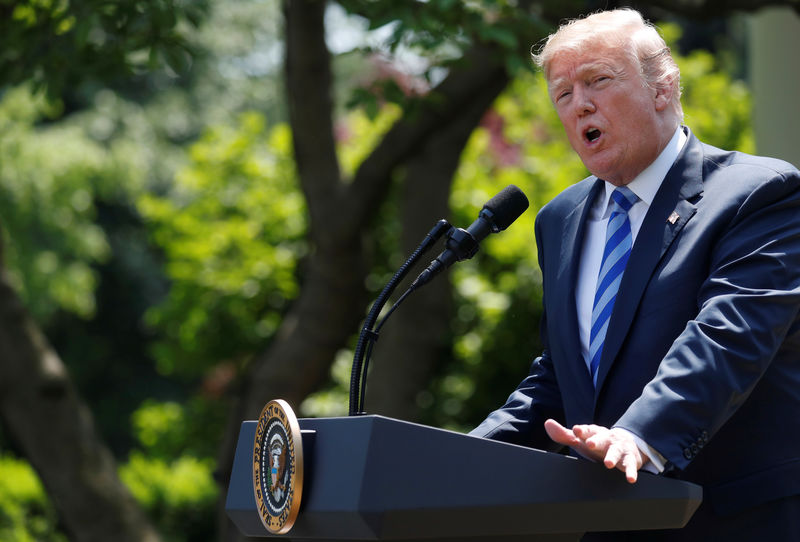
x,y
368,337
496,215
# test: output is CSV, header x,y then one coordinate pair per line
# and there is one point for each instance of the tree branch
x,y
308,92
481,68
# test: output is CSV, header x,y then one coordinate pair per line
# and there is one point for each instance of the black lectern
x,y
377,478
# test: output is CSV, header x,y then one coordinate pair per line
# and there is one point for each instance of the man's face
x,y
614,122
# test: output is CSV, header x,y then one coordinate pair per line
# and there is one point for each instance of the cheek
x,y
564,118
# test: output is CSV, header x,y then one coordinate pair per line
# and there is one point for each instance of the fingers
x,y
614,456
630,466
560,434
585,432
616,449
568,437
624,455
594,437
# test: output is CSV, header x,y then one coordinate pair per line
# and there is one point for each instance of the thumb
x,y
560,434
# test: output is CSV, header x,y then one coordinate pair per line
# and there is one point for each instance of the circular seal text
x,y
278,466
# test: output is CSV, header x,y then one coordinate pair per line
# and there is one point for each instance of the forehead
x,y
568,66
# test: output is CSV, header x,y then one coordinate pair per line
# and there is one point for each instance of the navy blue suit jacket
x,y
702,355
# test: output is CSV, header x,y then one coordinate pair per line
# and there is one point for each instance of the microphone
x,y
497,214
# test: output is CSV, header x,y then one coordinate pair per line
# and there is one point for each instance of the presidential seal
x,y
278,467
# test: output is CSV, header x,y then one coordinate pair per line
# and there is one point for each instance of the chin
x,y
602,173
601,168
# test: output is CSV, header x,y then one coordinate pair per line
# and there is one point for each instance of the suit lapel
x,y
571,246
671,209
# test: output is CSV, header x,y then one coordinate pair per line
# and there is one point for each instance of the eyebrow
x,y
581,72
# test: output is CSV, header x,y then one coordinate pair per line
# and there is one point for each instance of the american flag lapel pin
x,y
673,218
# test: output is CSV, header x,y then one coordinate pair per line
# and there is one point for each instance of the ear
x,y
664,93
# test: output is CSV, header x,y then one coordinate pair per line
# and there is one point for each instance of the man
x,y
671,292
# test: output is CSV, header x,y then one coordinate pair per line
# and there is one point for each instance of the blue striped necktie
x,y
615,256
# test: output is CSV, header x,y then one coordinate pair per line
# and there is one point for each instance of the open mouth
x,y
592,134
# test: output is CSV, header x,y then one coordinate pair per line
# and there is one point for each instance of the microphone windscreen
x,y
507,206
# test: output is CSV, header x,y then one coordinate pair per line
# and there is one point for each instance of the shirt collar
x,y
646,184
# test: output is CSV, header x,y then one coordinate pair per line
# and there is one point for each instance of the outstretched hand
x,y
614,447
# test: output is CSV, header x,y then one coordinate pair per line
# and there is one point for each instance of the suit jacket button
x,y
687,453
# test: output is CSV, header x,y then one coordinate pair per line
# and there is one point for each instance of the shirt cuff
x,y
657,461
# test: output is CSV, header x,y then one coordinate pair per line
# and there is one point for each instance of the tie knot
x,y
624,197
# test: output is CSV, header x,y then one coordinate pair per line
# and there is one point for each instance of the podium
x,y
377,478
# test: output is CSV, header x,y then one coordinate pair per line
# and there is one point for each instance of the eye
x,y
563,94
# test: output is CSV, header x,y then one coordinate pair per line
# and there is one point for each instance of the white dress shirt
x,y
645,186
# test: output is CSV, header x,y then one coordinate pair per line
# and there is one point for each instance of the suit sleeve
x,y
521,419
748,306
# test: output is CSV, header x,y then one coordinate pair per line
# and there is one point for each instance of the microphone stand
x,y
369,336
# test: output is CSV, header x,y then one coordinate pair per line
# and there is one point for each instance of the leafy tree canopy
x,y
57,44
51,178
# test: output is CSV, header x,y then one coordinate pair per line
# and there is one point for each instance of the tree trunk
x,y
55,430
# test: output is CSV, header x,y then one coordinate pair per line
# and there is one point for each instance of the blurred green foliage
x,y
178,495
169,430
49,181
73,250
26,515
171,472
58,43
232,230
76,159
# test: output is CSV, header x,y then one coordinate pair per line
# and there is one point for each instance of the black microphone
x,y
497,214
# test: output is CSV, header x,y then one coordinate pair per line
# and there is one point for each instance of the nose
x,y
583,102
